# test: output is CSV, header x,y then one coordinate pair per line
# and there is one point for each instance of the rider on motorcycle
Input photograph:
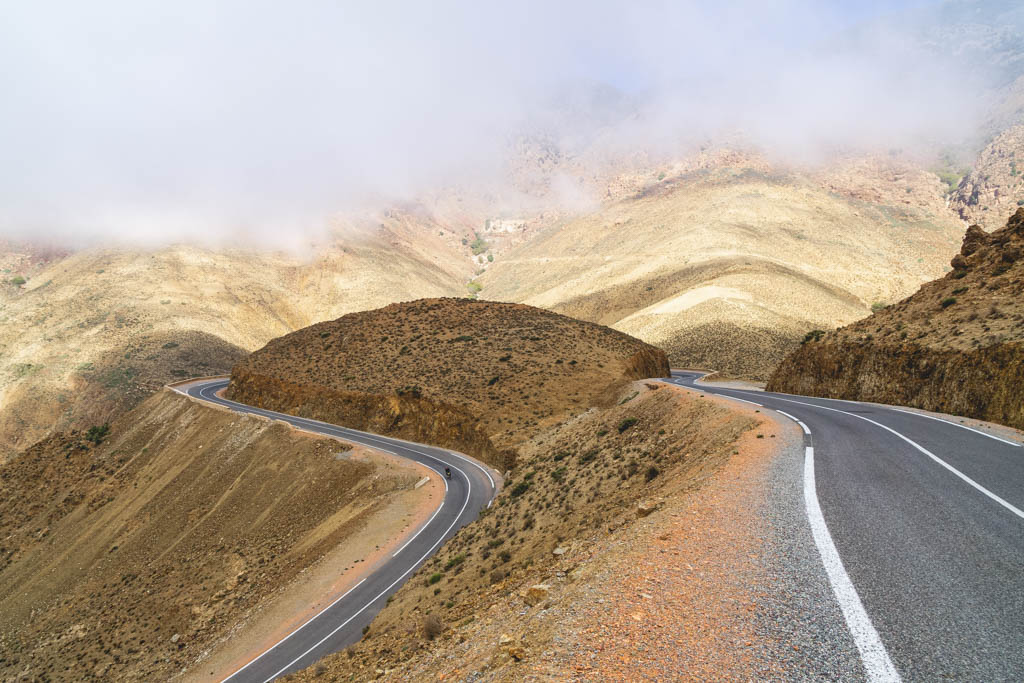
x,y
448,472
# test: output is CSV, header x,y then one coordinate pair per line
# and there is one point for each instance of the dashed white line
x,y
877,664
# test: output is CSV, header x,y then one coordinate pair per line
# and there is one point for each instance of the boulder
x,y
537,593
645,507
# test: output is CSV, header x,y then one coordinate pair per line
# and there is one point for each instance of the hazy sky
x,y
181,120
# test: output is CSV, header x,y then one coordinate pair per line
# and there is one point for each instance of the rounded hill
x,y
472,374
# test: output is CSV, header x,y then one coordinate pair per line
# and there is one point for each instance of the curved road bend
x,y
471,488
925,518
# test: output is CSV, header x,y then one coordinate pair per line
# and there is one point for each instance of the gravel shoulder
x,y
723,583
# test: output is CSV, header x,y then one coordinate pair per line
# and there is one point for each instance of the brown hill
x,y
476,375
90,335
956,346
726,261
131,558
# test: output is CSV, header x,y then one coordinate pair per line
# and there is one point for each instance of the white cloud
x,y
167,121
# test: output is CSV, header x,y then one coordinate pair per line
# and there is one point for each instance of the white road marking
x,y
955,424
306,623
379,596
1009,506
877,664
799,422
340,431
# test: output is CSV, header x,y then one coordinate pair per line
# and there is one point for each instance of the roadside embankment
x,y
956,346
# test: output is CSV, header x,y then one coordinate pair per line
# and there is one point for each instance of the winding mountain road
x,y
471,488
918,521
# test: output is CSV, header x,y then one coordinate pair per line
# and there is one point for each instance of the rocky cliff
x,y
474,375
956,346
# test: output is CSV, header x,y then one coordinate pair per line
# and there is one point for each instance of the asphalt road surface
x,y
919,525
471,488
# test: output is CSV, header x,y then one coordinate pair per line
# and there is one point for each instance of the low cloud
x,y
218,121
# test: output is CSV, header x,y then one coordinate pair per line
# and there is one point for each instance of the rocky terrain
x,y
956,346
128,552
473,375
725,260
486,606
994,188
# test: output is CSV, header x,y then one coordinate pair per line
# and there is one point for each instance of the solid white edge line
x,y
970,429
877,664
379,596
794,419
469,489
1009,506
306,623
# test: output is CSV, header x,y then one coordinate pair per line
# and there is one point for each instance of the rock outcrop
x,y
956,346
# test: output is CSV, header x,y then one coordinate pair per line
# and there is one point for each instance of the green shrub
x,y
559,474
434,578
652,472
626,424
478,246
948,301
97,433
520,488
492,381
813,335
960,290
877,306
171,345
490,258
17,280
455,561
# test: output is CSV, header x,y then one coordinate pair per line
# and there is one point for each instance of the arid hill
x,y
128,555
726,261
91,334
476,375
956,346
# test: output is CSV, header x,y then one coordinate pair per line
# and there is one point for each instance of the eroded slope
x,y
129,559
728,262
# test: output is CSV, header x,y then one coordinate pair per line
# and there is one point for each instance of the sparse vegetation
x,y
17,280
626,424
813,336
97,433
948,301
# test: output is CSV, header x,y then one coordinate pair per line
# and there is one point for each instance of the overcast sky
x,y
181,120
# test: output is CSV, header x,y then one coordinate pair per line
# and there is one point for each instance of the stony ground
x,y
719,579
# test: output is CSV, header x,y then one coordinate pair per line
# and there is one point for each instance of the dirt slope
x,y
726,261
575,494
128,560
956,346
91,334
475,375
